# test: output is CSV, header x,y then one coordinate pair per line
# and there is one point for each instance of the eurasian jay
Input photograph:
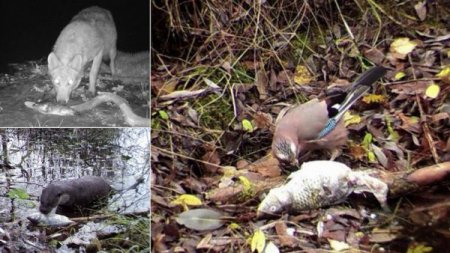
x,y
317,124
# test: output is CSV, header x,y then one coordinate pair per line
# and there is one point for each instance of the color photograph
x,y
300,126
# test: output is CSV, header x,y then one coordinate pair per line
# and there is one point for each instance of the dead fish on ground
x,y
321,183
52,219
51,108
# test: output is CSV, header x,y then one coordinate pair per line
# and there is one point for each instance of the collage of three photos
x,y
224,126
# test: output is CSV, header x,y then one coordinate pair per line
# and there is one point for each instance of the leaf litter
x,y
217,94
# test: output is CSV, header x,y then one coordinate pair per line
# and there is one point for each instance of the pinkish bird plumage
x,y
309,127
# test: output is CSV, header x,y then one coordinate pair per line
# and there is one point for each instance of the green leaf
x,y
371,156
247,125
163,115
367,140
393,135
15,193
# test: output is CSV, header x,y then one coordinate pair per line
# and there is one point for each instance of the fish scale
x,y
319,187
321,183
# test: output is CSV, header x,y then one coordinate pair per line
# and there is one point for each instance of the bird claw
x,y
335,153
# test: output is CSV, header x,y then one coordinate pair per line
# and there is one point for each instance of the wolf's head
x,y
65,76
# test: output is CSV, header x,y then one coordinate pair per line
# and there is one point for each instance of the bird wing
x,y
359,87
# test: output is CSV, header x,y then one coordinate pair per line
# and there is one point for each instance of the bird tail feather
x,y
359,87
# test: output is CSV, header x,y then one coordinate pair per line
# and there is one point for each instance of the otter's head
x,y
51,197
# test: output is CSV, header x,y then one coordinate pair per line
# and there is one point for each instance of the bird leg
x,y
335,153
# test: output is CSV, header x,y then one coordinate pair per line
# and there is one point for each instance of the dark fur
x,y
71,196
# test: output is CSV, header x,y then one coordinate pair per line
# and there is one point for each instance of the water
x,y
40,156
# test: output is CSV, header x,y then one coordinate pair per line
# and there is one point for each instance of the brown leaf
x,y
375,55
421,10
241,164
412,88
383,235
284,76
211,160
409,124
267,166
226,194
358,152
285,238
262,120
261,83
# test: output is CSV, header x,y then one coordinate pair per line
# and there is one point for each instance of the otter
x,y
71,196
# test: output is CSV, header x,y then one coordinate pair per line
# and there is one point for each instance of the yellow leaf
x,y
246,184
187,199
229,171
399,75
234,226
373,98
444,74
247,125
402,46
432,91
258,241
302,75
371,156
419,248
337,245
350,119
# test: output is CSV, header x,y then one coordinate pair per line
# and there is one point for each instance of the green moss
x,y
214,112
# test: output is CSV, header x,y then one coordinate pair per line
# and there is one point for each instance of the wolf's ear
x,y
53,61
76,62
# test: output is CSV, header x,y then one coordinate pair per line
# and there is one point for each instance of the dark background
x,y
29,28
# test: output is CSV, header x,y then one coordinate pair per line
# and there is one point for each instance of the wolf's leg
x,y
112,59
94,71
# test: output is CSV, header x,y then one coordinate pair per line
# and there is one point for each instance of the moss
x,y
215,112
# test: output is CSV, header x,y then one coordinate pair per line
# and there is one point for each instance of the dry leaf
x,y
350,119
432,91
444,74
212,160
258,241
302,75
374,98
401,47
421,10
262,83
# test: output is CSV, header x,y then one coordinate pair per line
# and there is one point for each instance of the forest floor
x,y
227,71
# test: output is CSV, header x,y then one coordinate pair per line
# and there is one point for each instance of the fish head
x,y
65,76
274,203
51,197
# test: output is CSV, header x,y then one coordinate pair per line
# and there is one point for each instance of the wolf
x,y
90,36
131,68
